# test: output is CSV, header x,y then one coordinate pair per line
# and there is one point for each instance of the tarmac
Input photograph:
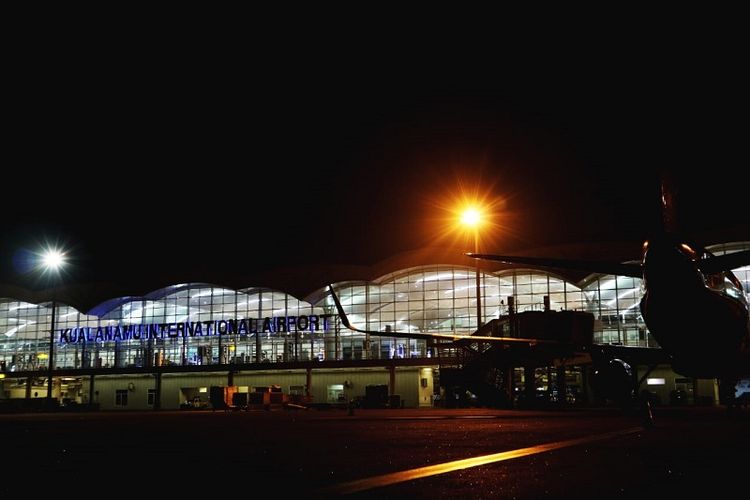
x,y
400,453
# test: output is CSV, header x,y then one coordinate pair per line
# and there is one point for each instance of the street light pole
x,y
52,260
479,286
50,361
472,218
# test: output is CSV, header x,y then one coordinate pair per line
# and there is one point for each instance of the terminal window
x,y
121,397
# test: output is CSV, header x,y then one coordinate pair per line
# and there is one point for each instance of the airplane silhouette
x,y
693,305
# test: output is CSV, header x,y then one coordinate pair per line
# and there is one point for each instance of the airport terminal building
x,y
168,349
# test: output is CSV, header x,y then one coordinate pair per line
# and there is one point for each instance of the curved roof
x,y
111,304
309,282
160,293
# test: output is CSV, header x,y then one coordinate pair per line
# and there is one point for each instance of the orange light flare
x,y
467,216
471,217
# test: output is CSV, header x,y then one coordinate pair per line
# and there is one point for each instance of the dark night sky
x,y
160,175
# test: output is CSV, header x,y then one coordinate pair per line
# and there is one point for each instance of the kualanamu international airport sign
x,y
245,326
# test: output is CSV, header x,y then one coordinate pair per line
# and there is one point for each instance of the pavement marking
x,y
432,470
445,417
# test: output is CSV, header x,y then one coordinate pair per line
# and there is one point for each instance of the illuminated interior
x,y
436,298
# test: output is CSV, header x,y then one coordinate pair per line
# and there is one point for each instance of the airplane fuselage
x,y
701,320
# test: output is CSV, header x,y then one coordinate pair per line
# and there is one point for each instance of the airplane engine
x,y
613,381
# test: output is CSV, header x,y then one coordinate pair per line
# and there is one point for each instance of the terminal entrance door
x,y
336,393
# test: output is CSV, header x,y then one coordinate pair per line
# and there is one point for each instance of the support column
x,y
508,384
119,361
585,387
28,387
222,358
296,344
91,390
230,378
529,386
392,379
336,341
562,388
257,347
157,396
308,384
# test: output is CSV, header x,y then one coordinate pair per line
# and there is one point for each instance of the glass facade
x,y
614,301
742,273
92,341
438,299
203,324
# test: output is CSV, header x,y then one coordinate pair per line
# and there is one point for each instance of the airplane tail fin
x,y
342,313
669,205
672,212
